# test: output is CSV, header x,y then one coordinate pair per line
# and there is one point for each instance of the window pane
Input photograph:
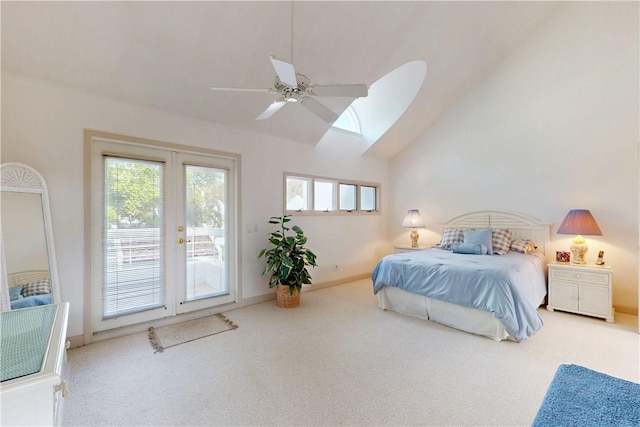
x,y
324,195
347,197
367,198
298,194
133,237
348,120
205,193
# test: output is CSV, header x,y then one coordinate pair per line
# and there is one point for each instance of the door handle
x,y
180,240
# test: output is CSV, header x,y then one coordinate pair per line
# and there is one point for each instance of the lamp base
x,y
414,238
578,250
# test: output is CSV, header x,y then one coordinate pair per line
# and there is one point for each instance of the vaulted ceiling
x,y
167,55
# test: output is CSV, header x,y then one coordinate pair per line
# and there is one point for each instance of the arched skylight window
x,y
348,121
370,117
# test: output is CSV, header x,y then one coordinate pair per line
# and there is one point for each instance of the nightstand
x,y
582,289
397,249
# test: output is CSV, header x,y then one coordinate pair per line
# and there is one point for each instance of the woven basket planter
x,y
285,299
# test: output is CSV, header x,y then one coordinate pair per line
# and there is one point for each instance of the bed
x,y
494,296
29,289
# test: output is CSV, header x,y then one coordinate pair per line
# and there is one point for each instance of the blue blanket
x,y
511,286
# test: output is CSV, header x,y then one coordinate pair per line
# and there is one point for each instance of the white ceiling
x,y
168,54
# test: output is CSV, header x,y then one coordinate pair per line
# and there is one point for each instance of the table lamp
x,y
413,220
579,222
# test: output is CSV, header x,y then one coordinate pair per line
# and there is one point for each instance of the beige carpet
x,y
180,333
338,360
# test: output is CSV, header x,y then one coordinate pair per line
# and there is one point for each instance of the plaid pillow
x,y
39,287
501,240
450,237
524,246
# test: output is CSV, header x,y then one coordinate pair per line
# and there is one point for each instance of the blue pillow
x,y
482,237
15,292
469,248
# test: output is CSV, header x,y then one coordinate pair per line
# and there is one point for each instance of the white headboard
x,y
25,277
522,226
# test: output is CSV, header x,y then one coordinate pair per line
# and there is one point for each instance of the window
x,y
348,197
368,198
324,195
348,121
298,193
315,195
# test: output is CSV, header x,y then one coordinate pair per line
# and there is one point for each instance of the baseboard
x,y
76,341
626,310
316,286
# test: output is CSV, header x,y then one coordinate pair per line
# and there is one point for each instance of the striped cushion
x,y
501,241
38,287
450,237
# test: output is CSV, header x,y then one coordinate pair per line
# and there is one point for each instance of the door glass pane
x,y
323,195
367,198
133,274
205,238
347,197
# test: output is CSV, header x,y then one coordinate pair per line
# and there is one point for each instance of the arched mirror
x,y
29,273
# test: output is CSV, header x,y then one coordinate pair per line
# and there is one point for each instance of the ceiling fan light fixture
x,y
294,88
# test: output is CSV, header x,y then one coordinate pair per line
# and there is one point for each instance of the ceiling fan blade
x,y
349,91
271,110
319,110
240,89
285,71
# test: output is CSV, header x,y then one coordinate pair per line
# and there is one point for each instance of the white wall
x,y
553,128
42,126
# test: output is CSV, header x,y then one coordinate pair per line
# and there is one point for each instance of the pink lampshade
x,y
580,221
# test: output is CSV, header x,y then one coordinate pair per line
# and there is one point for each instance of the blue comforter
x,y
510,286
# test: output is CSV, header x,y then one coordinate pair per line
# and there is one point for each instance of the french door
x,y
163,232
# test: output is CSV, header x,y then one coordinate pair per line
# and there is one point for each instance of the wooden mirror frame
x,y
20,178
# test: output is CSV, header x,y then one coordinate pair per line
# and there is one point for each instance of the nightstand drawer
x,y
580,276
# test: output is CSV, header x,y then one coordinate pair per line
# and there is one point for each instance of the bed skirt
x,y
466,319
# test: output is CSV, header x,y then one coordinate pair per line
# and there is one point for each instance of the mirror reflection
x,y
23,232
29,275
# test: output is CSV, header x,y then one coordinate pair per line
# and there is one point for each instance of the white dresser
x,y
33,349
583,289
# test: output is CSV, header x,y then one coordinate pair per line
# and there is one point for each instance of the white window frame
x,y
336,196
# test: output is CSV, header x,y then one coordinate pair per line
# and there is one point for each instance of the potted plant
x,y
287,261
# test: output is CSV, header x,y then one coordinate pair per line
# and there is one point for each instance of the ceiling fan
x,y
292,87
